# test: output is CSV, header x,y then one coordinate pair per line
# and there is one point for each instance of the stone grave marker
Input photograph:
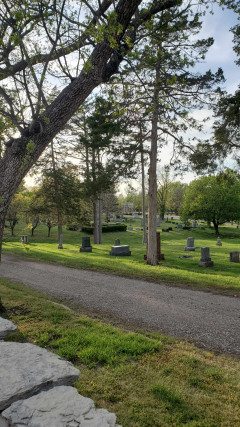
x,y
234,256
120,250
130,229
219,243
86,245
205,260
117,242
190,244
24,239
195,224
179,226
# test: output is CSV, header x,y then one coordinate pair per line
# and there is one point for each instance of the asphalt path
x,y
210,320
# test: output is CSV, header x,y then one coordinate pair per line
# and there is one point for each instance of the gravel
x,y
210,320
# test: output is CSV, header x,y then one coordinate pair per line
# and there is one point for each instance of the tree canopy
x,y
213,199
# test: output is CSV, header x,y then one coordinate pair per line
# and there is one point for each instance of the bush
x,y
74,227
106,228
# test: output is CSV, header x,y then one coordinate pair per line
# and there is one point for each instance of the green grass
x,y
147,379
223,277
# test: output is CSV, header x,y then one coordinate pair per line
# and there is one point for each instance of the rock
x,y
26,369
58,407
6,327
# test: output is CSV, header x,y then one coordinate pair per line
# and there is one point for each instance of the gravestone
x,y
234,256
179,226
195,224
120,250
190,244
117,242
24,239
60,244
86,245
205,260
160,256
219,243
130,229
138,229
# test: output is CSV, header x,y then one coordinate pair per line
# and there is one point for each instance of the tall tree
x,y
103,157
168,91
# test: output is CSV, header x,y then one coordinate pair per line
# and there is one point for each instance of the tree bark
x,y
152,191
144,239
96,222
100,220
216,225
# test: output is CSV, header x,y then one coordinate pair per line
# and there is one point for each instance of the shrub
x,y
106,228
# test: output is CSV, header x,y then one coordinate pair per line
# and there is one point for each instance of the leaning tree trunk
x,y
152,191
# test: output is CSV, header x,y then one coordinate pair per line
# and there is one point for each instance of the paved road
x,y
213,321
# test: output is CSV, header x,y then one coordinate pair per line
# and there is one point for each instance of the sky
x,y
221,54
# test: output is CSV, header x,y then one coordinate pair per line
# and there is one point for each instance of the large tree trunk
x,y
215,224
100,220
97,214
144,239
152,191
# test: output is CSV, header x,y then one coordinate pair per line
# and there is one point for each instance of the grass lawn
x,y
223,277
147,379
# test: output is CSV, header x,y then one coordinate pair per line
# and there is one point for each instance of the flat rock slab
x,y
58,407
26,369
6,327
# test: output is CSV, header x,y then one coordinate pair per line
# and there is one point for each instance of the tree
x,y
42,39
103,159
213,199
175,196
67,203
162,193
19,207
226,129
168,91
